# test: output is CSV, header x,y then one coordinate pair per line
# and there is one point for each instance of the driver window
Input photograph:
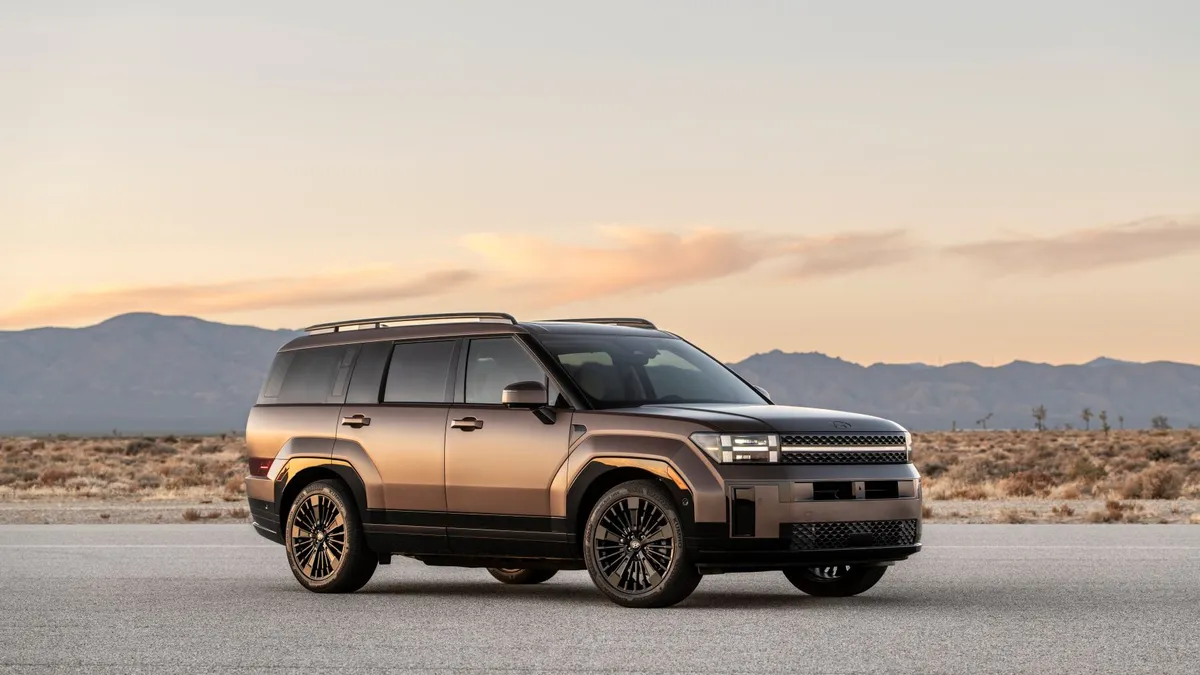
x,y
495,363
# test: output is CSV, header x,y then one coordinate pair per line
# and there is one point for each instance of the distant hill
x,y
147,372
920,396
143,372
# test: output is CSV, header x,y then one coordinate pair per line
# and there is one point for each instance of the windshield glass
x,y
617,371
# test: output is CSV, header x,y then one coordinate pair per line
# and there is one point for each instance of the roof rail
x,y
616,321
379,322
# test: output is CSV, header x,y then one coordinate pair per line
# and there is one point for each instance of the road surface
x,y
978,599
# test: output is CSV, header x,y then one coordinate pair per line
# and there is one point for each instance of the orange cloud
x,y
234,296
527,270
1085,250
852,252
642,260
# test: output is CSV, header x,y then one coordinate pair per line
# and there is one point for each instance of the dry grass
x,y
1059,465
965,466
189,469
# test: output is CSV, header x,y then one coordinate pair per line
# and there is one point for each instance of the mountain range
x,y
140,373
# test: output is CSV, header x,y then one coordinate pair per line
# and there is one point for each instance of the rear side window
x,y
419,372
309,376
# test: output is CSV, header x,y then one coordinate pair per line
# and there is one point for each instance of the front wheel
x,y
634,550
325,544
835,581
512,575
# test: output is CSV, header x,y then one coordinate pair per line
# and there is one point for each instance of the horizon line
x,y
921,364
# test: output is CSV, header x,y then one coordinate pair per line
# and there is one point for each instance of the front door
x,y
500,462
401,429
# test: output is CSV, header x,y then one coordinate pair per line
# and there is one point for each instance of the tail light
x,y
259,466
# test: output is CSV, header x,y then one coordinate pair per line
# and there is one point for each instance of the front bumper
x,y
813,516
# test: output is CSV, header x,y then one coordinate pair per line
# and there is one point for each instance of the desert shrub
x,y
1067,491
1086,470
208,449
149,480
55,476
933,469
1030,483
240,514
1062,511
137,446
191,515
1161,482
1113,512
1011,516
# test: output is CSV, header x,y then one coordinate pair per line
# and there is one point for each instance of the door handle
x,y
467,424
356,421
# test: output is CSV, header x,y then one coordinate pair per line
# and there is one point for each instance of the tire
x,y
521,576
836,581
326,508
637,522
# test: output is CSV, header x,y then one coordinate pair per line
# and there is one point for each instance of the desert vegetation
x,y
1099,475
192,470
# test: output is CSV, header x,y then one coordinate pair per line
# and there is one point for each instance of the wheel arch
x,y
605,473
301,472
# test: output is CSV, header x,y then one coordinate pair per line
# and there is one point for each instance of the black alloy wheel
x,y
634,548
325,544
521,576
835,581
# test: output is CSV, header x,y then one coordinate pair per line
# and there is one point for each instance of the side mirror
x,y
524,395
766,394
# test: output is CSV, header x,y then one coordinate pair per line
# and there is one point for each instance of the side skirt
x,y
463,537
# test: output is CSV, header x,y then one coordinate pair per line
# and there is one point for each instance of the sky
x,y
884,182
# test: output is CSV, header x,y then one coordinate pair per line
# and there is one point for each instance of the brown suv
x,y
475,440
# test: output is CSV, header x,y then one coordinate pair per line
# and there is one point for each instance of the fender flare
x,y
599,467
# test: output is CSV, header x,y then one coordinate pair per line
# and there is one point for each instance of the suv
x,y
475,440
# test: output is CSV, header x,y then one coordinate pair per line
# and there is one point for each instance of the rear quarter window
x,y
309,376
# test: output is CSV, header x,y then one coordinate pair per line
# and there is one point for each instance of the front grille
x,y
843,440
857,534
844,457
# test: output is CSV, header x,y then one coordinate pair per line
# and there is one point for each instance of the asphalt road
x,y
978,599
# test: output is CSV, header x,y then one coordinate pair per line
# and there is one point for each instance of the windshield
x,y
618,371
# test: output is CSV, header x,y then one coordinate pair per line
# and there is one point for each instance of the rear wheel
x,y
512,575
835,581
325,544
633,547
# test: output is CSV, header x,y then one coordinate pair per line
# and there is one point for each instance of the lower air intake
x,y
857,534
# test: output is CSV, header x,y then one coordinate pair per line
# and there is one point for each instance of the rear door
x,y
396,416
499,471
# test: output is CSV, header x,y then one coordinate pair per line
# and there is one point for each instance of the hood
x,y
749,418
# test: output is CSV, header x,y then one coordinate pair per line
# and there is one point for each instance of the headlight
x,y
908,444
739,448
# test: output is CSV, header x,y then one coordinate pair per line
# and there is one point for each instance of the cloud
x,y
1085,250
852,252
646,261
235,296
521,270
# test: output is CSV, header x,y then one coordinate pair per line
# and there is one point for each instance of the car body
x,y
477,440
